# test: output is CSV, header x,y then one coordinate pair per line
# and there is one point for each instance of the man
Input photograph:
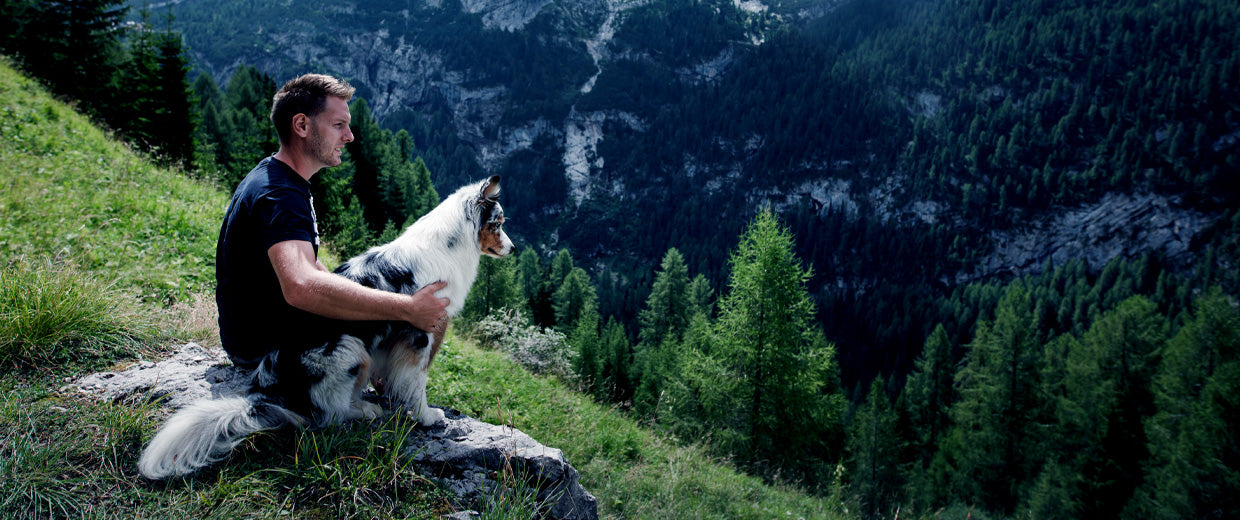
x,y
271,289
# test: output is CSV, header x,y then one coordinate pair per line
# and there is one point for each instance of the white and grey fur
x,y
322,383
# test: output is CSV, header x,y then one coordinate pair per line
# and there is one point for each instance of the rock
x,y
194,372
1118,225
466,455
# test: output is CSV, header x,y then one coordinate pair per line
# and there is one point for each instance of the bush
x,y
542,351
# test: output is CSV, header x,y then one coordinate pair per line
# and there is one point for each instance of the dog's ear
x,y
489,191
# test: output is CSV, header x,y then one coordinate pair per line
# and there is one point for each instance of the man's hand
x,y
426,310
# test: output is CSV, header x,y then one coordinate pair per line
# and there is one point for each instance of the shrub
x,y
542,351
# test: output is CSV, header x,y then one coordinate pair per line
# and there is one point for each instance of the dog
x,y
322,383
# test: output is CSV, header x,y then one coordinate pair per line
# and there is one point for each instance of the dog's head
x,y
492,240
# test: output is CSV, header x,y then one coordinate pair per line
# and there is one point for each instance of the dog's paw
x,y
371,410
430,417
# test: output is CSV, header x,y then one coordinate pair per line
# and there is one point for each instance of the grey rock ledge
x,y
462,453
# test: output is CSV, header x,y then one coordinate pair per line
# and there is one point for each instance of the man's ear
x,y
301,125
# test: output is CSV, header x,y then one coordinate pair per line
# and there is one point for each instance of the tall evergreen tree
x,y
529,275
616,354
572,297
701,297
789,410
1100,445
174,120
662,322
875,480
495,288
928,396
585,336
995,422
1194,469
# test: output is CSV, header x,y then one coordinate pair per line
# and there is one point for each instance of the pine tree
x,y
875,479
790,408
495,288
572,297
663,321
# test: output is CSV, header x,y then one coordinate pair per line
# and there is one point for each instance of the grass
x,y
70,191
52,313
633,472
106,258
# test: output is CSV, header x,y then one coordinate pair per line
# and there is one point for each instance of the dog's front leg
x,y
405,381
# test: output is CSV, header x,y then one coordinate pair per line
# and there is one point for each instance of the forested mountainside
x,y
1016,224
912,145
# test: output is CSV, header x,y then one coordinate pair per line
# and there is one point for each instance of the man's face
x,y
329,132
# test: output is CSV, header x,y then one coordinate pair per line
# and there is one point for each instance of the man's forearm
x,y
308,286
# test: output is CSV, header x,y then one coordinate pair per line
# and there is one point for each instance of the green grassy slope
x,y
70,191
80,210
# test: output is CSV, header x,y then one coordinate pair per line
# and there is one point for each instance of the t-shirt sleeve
x,y
284,215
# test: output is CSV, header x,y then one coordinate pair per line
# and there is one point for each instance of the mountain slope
x,y
75,194
913,145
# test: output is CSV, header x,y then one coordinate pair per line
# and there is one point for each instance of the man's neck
x,y
297,162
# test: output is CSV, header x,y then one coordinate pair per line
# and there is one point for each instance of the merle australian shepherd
x,y
322,382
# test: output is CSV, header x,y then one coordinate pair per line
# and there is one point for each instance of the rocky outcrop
x,y
1117,226
464,454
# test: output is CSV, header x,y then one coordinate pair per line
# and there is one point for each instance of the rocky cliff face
x,y
1118,226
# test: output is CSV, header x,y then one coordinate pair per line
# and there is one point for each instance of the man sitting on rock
x,y
271,289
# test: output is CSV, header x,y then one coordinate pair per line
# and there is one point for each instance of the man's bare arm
x,y
309,287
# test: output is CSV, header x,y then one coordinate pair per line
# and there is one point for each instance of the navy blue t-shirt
x,y
271,205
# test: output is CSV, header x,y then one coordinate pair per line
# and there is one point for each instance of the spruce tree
x,y
875,480
494,289
662,322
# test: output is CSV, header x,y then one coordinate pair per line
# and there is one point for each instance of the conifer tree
x,y
561,265
572,297
1194,469
928,398
790,407
616,352
495,288
1105,399
529,275
662,321
174,119
875,480
994,434
701,297
585,337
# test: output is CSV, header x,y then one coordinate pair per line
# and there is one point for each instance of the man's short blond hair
x,y
306,94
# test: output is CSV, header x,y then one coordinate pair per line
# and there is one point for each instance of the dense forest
x,y
855,351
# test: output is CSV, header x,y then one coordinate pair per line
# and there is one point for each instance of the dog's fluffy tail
x,y
206,431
